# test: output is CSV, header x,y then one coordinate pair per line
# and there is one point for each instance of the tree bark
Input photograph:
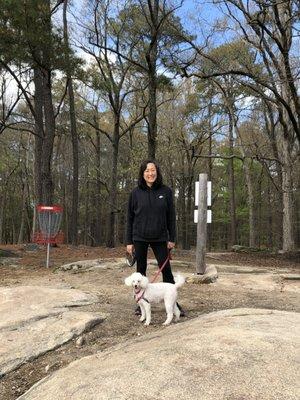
x,y
111,233
47,150
23,212
181,212
2,209
151,58
288,243
39,134
189,212
251,205
98,228
49,117
74,136
231,185
86,207
270,218
250,191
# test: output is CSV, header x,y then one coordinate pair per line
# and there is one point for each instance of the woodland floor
x,y
115,300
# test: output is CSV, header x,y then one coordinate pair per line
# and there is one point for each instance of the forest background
x,y
91,88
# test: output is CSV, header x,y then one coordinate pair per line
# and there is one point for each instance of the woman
x,y
151,220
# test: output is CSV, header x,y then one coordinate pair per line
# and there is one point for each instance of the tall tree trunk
x,y
98,228
259,223
251,204
47,183
64,203
184,216
189,209
273,134
250,190
286,140
74,213
23,213
288,243
152,123
86,206
270,218
25,193
181,212
111,229
231,185
49,117
39,134
2,209
3,202
151,58
232,123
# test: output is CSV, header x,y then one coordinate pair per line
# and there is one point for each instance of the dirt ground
x,y
116,300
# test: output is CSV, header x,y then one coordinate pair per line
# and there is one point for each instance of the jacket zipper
x,y
149,197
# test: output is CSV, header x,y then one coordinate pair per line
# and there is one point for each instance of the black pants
x,y
161,253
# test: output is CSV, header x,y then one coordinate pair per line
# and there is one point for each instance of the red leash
x,y
163,266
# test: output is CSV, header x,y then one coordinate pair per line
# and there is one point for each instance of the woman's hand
x,y
129,249
171,245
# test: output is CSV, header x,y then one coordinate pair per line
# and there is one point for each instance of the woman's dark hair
x,y
141,181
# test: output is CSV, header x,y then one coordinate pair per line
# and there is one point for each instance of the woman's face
x,y
150,174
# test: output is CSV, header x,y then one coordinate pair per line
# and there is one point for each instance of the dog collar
x,y
138,296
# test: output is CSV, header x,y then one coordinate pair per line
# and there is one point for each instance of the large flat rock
x,y
99,264
22,304
241,354
38,337
37,319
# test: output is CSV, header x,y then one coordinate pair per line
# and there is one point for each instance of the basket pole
x,y
48,255
48,245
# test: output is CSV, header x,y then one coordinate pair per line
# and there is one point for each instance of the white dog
x,y
146,293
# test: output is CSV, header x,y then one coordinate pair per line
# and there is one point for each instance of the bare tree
x,y
74,136
112,76
269,30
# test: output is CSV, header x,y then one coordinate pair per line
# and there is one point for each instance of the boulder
x,y
210,276
32,340
37,319
247,354
19,305
7,253
93,265
31,247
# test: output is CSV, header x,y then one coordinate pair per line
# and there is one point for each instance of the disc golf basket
x,y
49,219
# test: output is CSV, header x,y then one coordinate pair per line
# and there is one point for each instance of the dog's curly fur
x,y
147,293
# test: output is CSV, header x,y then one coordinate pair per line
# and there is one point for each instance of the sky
x,y
191,10
193,14
199,16
205,10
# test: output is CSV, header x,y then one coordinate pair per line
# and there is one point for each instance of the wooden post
x,y
201,225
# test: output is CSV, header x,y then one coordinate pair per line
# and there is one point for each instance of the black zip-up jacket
x,y
151,215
